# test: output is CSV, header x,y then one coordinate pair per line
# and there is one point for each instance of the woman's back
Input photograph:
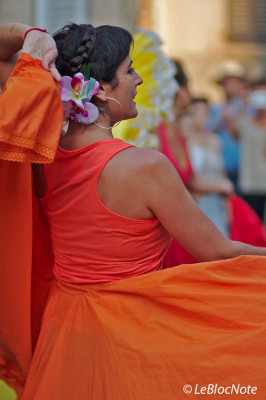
x,y
91,242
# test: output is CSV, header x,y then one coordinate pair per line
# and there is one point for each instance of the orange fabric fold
x,y
147,337
25,135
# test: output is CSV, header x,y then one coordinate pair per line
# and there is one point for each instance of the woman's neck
x,y
79,135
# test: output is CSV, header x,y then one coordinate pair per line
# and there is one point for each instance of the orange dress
x,y
166,334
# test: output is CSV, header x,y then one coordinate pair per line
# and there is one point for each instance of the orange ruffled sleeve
x,y
30,127
31,113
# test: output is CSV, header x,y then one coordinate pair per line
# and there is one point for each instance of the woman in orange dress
x,y
114,325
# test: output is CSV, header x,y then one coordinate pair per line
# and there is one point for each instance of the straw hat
x,y
230,69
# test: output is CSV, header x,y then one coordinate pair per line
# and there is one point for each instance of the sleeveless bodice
x,y
90,242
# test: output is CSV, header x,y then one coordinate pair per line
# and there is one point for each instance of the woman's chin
x,y
135,113
131,116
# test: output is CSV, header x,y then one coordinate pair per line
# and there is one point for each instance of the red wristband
x,y
35,29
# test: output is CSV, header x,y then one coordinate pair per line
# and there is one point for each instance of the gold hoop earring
x,y
117,123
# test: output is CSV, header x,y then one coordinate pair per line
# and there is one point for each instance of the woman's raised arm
x,y
178,213
38,44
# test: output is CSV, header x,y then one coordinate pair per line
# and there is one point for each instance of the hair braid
x,y
84,50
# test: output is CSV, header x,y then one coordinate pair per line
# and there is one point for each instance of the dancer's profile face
x,y
125,92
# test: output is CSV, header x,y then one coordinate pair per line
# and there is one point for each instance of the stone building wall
x,y
113,12
195,32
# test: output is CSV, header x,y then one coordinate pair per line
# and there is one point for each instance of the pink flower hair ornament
x,y
76,94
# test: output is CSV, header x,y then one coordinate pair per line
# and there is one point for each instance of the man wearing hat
x,y
252,132
231,77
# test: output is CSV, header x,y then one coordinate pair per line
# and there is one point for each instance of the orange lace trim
x,y
25,148
13,153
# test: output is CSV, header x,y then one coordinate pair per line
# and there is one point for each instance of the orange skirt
x,y
166,335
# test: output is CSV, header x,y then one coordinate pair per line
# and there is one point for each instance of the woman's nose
x,y
139,79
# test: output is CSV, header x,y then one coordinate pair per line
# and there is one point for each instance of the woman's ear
x,y
102,92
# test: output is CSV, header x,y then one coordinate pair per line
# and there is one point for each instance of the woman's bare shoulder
x,y
141,164
141,157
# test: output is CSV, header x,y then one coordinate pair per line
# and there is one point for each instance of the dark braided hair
x,y
84,50
104,47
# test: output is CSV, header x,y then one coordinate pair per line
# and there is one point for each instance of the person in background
x,y
231,79
251,131
172,140
206,158
173,144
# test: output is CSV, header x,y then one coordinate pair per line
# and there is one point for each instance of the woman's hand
x,y
199,185
41,45
225,186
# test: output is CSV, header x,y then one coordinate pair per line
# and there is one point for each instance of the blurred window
x,y
247,20
53,14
